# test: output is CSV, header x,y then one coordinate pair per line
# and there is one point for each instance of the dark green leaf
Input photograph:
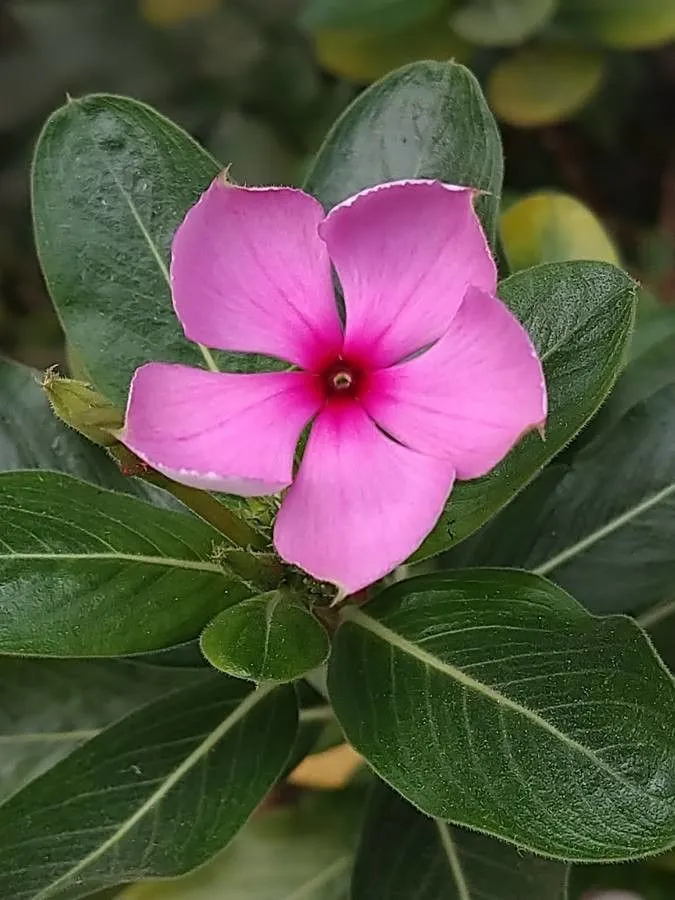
x,y
579,315
303,852
500,22
426,120
316,719
155,795
180,656
492,699
112,180
50,706
380,14
85,572
272,637
659,621
31,437
651,327
602,524
435,861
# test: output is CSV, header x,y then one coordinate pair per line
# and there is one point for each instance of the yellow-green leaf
x,y
173,12
553,227
621,23
501,22
540,85
364,56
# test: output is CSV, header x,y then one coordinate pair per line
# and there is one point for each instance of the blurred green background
x,y
584,91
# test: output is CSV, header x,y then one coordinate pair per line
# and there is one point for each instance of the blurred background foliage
x,y
584,90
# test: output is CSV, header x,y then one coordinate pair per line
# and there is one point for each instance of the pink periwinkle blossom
x,y
430,379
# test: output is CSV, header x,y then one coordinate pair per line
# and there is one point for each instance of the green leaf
x,y
85,572
51,706
435,861
552,227
426,120
364,55
382,14
659,621
31,437
620,23
492,699
146,797
541,85
303,852
501,22
112,180
601,524
272,637
579,315
652,326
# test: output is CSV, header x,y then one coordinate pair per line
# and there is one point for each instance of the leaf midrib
x,y
200,565
406,646
579,326
308,714
606,530
206,353
167,785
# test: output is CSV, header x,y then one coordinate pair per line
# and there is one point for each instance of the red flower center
x,y
343,378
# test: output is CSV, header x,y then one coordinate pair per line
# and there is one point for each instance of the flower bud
x,y
77,404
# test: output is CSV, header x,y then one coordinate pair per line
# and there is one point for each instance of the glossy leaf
x,y
31,437
436,861
620,23
426,120
602,523
272,637
85,572
542,85
121,177
492,699
302,851
362,56
579,315
501,22
382,14
49,707
553,227
146,797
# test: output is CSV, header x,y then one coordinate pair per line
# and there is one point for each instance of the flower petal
x,y
471,396
231,433
250,273
361,503
405,253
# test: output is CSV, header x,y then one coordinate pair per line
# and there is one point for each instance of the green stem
x,y
202,503
212,511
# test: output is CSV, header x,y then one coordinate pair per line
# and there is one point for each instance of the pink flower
x,y
392,427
